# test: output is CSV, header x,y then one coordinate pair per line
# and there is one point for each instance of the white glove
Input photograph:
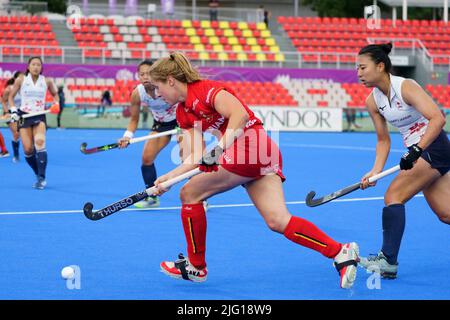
x,y
14,114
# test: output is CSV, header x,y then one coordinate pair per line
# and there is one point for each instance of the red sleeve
x,y
209,90
214,94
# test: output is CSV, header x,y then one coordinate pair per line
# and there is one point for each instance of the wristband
x,y
128,134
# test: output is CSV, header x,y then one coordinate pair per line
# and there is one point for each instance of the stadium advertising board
x,y
300,119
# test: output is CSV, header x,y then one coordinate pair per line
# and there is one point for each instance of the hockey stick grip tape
x,y
171,182
384,173
29,115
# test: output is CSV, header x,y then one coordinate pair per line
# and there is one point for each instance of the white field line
x,y
179,207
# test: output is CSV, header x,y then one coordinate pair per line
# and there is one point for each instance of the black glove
x,y
410,157
210,161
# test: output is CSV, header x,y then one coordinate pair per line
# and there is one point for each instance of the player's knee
x,y
147,162
39,144
391,198
444,217
28,150
187,194
39,141
275,224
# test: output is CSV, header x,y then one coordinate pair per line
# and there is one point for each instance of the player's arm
x,y
12,93
191,151
383,138
232,109
135,108
53,90
414,95
383,141
4,99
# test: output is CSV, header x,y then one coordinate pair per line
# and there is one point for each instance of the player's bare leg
x,y
268,196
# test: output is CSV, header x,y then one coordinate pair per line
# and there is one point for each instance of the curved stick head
x,y
83,147
309,199
87,209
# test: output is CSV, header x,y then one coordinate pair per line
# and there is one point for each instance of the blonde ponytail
x,y
177,66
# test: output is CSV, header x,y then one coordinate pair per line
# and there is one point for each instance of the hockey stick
x,y
52,109
128,201
310,202
83,147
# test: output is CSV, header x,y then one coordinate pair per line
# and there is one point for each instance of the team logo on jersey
x,y
416,127
383,107
399,104
250,123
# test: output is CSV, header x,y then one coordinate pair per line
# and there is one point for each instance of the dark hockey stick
x,y
83,147
106,147
128,201
310,202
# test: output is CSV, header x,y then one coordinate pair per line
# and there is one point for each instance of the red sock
x,y
308,235
194,225
2,143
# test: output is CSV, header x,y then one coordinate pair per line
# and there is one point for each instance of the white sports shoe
x,y
346,262
379,264
183,269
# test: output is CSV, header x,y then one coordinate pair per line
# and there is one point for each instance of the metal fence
x,y
20,7
156,11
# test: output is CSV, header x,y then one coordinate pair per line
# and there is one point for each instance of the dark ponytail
x,y
13,79
379,53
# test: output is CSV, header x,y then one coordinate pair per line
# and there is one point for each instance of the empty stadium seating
x,y
253,93
201,40
283,92
358,94
34,32
440,93
315,92
262,93
314,35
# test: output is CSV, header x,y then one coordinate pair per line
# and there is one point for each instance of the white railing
x,y
30,7
302,59
115,56
417,45
293,59
179,12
